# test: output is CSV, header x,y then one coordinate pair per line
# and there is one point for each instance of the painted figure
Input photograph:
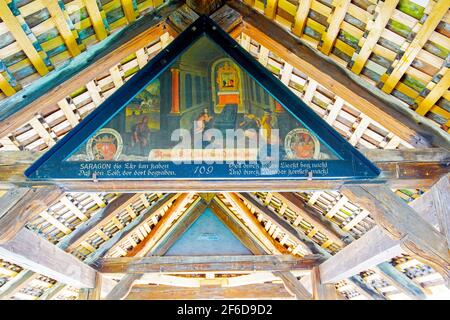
x,y
141,134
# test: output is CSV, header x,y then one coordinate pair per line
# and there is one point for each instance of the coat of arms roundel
x,y
301,144
106,144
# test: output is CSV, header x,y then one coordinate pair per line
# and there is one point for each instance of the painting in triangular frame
x,y
203,108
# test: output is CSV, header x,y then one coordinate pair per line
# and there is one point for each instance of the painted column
x,y
175,91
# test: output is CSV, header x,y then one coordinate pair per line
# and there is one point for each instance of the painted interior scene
x,y
203,90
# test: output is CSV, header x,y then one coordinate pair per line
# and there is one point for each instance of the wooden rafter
x,y
255,291
202,264
438,11
401,222
85,67
22,39
20,205
412,168
154,237
32,252
397,119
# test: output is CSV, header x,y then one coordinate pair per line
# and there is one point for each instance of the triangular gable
x,y
207,236
202,85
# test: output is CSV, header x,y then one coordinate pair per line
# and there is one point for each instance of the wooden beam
x,y
293,285
121,290
88,228
237,227
19,206
287,227
96,19
16,284
396,118
59,20
22,39
301,16
40,96
254,225
439,89
180,226
320,290
412,168
335,20
331,230
441,201
255,291
205,7
434,18
161,227
201,264
373,248
32,252
270,9
53,292
127,6
428,206
129,228
378,26
6,87
400,222
400,281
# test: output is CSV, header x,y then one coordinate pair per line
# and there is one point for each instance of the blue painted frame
x,y
352,165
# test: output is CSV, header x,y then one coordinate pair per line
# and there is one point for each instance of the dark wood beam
x,y
254,291
413,168
201,264
397,118
205,7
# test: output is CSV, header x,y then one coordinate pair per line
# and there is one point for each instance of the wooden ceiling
x,y
399,46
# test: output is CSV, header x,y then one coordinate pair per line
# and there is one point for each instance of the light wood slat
x,y
73,208
271,8
434,95
127,6
301,16
19,35
328,38
374,35
6,87
59,18
438,11
16,284
42,131
68,112
276,39
96,18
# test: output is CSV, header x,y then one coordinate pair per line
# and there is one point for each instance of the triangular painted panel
x,y
203,108
207,236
